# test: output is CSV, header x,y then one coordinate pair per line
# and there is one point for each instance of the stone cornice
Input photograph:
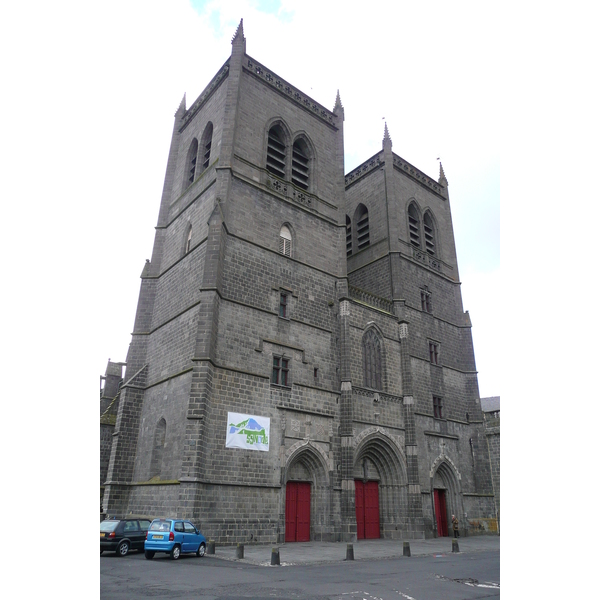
x,y
369,165
205,95
405,167
371,300
289,91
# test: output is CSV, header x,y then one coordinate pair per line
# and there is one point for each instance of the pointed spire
x,y
239,33
181,108
338,102
387,140
442,179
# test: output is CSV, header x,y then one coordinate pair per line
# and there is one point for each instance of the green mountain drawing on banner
x,y
254,432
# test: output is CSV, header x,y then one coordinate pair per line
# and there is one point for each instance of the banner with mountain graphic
x,y
247,432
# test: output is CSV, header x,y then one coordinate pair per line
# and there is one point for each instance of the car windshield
x,y
160,526
108,525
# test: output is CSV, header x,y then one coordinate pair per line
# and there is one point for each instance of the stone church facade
x,y
326,304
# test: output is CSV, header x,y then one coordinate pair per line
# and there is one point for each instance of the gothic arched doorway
x,y
446,497
379,486
306,503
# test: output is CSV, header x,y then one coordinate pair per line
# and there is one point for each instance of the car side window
x,y
144,525
189,528
179,526
131,526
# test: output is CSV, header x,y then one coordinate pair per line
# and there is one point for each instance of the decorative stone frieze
x,y
289,90
290,191
366,167
417,175
203,97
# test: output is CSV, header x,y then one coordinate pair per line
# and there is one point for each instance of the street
x,y
450,576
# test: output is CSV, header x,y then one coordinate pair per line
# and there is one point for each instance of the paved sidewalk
x,y
303,553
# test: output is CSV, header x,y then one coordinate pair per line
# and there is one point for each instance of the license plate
x,y
157,537
101,535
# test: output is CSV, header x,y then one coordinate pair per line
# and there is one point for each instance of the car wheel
x,y
201,549
123,549
175,552
149,554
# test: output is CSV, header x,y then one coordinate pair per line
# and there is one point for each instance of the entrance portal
x,y
297,511
441,517
367,509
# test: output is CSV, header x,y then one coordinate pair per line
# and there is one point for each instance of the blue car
x,y
173,536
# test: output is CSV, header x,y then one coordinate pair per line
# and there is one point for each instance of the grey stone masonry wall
x,y
357,406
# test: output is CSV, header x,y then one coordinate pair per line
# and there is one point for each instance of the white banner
x,y
247,432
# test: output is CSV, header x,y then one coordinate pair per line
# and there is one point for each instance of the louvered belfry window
x,y
348,236
192,158
285,241
276,152
206,145
414,226
372,360
362,228
300,163
429,234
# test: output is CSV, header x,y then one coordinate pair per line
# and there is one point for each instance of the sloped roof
x,y
490,404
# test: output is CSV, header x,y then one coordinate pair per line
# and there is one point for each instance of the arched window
x,y
206,144
414,226
361,218
348,236
157,449
276,151
429,231
285,241
191,163
300,164
372,360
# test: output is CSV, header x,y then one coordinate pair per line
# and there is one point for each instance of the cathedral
x,y
301,367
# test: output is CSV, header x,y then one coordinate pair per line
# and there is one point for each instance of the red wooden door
x,y
441,518
297,511
372,510
367,509
291,497
303,513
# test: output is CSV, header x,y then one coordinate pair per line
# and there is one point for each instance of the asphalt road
x,y
463,576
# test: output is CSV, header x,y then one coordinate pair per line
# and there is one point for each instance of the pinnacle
x,y
338,102
181,105
386,135
239,33
442,178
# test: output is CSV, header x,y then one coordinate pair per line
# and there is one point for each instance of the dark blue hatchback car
x,y
173,536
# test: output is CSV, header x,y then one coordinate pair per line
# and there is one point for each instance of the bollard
x,y
455,545
274,556
406,549
239,551
210,549
349,552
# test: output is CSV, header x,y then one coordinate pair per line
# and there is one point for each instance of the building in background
x,y
491,417
301,367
